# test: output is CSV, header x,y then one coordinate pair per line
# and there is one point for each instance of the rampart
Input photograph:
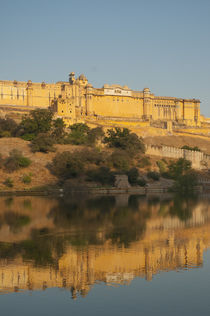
x,y
199,159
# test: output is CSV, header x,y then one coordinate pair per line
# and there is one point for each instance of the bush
x,y
8,182
141,182
186,183
67,165
26,179
58,130
120,160
94,135
144,162
191,148
133,175
125,140
43,143
39,121
78,134
102,175
16,161
8,127
92,156
179,168
153,175
162,166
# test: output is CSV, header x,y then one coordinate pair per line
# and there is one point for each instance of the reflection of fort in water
x,y
168,243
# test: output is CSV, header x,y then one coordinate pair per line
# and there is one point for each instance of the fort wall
x,y
78,100
199,159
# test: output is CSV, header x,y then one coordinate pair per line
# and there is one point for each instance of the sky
x,y
160,44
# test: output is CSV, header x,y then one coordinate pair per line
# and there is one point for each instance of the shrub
x,y
16,161
141,182
102,175
153,175
94,135
179,168
8,182
42,142
58,130
120,160
26,179
125,140
162,166
186,183
133,175
8,127
78,134
191,148
144,162
38,121
92,156
67,165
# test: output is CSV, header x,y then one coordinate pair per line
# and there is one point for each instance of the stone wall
x,y
199,159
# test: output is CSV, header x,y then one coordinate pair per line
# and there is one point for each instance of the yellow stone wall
x,y
78,100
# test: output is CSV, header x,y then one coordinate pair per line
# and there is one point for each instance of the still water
x,y
123,255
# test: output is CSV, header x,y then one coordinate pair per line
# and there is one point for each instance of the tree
x,y
39,121
179,168
16,160
58,130
94,135
78,134
43,142
67,165
8,127
125,140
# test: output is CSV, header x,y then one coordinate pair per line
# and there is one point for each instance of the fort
x,y
77,100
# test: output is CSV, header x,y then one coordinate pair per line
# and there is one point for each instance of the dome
x,y
82,77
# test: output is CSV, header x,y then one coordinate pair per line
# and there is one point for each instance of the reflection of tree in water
x,y
89,222
121,224
183,207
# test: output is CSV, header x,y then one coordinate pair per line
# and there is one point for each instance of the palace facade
x,y
77,101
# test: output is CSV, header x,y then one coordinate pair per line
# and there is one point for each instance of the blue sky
x,y
163,45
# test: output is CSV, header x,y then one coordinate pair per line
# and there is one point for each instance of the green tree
x,y
179,168
43,142
8,127
67,165
125,140
133,175
16,160
78,134
94,135
38,121
58,130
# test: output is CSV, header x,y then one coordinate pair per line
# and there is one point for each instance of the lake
x,y
110,255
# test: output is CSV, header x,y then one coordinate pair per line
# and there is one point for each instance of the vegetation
x,y
8,182
125,140
144,162
120,160
102,175
191,148
8,127
153,175
39,121
16,161
67,165
26,178
43,142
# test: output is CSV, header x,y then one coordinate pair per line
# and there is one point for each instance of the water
x,y
124,255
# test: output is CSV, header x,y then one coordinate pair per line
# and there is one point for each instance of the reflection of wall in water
x,y
79,269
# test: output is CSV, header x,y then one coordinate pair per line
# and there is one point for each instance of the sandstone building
x,y
78,101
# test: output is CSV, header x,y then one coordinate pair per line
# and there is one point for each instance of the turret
x,y
71,77
147,102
